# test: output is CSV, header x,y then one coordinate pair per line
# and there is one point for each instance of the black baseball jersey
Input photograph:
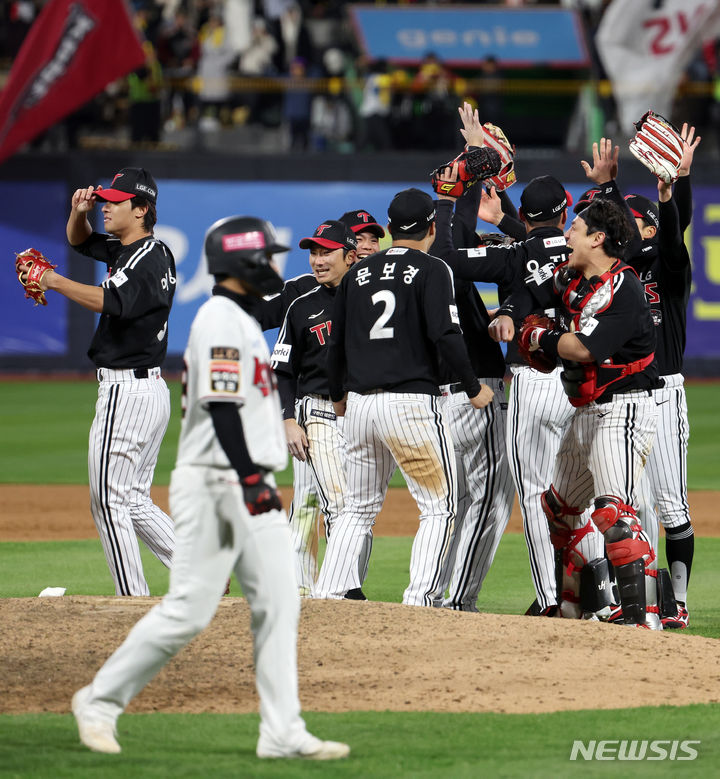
x,y
394,314
485,354
273,309
138,294
525,264
621,331
665,271
300,354
663,265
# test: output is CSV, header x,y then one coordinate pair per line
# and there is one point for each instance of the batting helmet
x,y
242,247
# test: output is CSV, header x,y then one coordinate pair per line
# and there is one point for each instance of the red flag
x,y
73,50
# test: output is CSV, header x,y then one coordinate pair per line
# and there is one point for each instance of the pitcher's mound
x,y
360,656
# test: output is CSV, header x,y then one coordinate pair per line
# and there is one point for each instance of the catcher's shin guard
x,y
628,550
566,534
595,587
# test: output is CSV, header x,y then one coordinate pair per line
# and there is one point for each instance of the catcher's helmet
x,y
242,247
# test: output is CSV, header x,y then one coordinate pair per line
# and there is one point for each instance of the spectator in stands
x,y
178,53
255,61
297,106
216,55
145,94
375,109
436,105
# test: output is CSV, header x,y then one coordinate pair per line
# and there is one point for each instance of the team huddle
x,y
390,359
594,316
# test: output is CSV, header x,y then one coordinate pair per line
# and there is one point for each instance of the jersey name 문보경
x,y
394,315
227,360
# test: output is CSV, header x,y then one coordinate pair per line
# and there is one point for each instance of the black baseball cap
x,y
586,198
129,183
361,222
544,198
332,234
644,208
411,211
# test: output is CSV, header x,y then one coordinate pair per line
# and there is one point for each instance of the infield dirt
x,y
352,655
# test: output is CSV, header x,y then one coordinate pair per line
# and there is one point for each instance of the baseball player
x,y
538,409
312,429
227,510
128,347
304,513
394,314
485,489
659,256
609,374
367,231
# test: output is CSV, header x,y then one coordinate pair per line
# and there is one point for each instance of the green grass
x,y
384,744
41,445
56,451
80,566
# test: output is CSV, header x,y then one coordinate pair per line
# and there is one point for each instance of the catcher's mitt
x,y
30,266
496,139
658,145
476,164
531,329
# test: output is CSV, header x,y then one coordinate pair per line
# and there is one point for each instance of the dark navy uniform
x,y
395,316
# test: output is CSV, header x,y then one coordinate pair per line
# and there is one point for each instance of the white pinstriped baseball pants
x,y
485,493
321,479
605,449
662,493
382,429
131,417
539,413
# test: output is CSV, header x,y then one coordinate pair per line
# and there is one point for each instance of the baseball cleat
x,y
355,594
679,621
96,733
311,749
616,615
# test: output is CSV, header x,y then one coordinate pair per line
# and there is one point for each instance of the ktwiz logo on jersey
x,y
224,377
264,378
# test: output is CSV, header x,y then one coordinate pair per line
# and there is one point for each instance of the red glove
x,y
532,329
260,497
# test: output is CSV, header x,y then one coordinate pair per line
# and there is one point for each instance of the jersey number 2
x,y
378,330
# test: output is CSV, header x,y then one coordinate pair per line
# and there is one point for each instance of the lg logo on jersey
x,y
318,330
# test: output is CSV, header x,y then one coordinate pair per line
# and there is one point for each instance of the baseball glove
x,y
476,164
532,328
30,266
494,239
658,145
496,139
